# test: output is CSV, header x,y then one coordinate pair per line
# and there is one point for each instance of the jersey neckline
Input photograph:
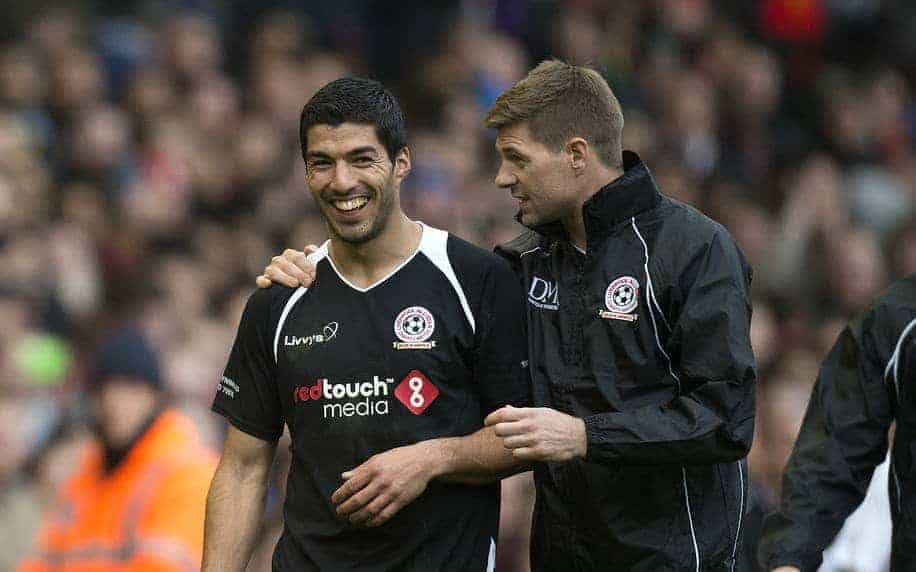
x,y
382,280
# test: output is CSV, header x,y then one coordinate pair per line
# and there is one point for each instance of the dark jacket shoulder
x,y
512,251
524,242
886,319
696,236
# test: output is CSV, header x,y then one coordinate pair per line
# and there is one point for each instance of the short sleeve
x,y
501,360
247,394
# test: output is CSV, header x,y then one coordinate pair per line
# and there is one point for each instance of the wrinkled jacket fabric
x,y
147,514
864,385
646,338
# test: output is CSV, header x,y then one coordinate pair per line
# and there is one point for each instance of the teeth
x,y
351,204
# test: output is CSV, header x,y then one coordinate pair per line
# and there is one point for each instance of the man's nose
x,y
343,178
504,177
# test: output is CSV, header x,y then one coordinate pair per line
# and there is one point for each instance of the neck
x,y
366,263
574,221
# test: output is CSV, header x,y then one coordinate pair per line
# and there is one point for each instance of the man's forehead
x,y
515,134
343,137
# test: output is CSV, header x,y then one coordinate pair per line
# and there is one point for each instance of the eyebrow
x,y
510,148
316,155
351,153
361,150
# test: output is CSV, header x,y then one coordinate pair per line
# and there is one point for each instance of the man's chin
x,y
356,234
370,225
529,220
352,236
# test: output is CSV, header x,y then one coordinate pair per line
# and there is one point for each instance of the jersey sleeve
x,y
247,394
500,365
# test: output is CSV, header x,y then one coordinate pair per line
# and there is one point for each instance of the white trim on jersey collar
x,y
326,247
433,245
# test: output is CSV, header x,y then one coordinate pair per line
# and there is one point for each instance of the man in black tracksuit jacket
x,y
646,339
861,389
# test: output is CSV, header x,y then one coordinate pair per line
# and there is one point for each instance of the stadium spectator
x,y
136,502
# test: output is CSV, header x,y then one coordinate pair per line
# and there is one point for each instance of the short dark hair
x,y
560,101
356,100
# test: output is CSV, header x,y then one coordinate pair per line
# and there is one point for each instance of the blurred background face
x,y
352,180
122,405
535,176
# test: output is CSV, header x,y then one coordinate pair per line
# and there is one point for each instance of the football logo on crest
x,y
621,298
414,326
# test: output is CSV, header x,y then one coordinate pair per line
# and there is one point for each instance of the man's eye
x,y
363,161
318,164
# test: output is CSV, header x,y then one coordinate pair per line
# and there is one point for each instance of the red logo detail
x,y
308,393
416,392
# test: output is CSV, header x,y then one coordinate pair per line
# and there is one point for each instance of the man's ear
x,y
402,164
579,153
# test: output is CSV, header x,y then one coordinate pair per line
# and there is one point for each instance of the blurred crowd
x,y
149,169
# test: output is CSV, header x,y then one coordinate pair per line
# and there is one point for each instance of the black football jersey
x,y
426,352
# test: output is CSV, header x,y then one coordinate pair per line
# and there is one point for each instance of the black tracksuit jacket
x,y
646,338
863,386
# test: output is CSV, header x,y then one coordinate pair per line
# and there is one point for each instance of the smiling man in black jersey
x,y
383,370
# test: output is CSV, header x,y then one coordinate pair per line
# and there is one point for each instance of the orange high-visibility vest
x,y
147,515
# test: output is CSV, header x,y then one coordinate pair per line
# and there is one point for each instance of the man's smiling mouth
x,y
350,205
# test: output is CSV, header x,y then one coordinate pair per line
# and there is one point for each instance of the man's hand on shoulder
x,y
539,433
291,269
376,490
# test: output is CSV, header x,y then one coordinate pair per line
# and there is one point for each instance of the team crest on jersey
x,y
414,326
621,298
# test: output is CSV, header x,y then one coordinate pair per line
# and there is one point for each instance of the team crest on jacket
x,y
621,298
414,326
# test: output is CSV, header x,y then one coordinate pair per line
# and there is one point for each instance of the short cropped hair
x,y
356,100
560,101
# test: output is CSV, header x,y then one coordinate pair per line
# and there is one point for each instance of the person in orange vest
x,y
137,500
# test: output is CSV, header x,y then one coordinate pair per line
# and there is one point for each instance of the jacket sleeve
x,y
842,439
709,360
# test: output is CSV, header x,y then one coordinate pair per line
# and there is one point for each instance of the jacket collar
x,y
628,195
